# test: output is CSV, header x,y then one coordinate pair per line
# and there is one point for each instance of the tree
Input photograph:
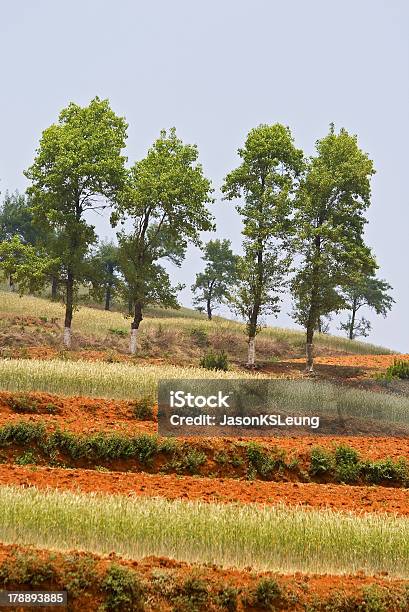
x,y
104,268
78,168
213,285
28,266
366,291
165,199
265,179
16,219
329,222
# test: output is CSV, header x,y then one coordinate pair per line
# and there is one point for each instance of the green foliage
x,y
215,361
78,161
165,199
26,569
80,575
266,178
118,332
27,266
123,588
26,458
194,596
321,462
227,598
347,464
399,369
22,403
266,594
369,291
213,286
199,336
142,409
192,461
329,221
261,462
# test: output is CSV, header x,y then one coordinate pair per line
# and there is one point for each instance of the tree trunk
x,y
309,350
209,309
352,324
108,297
54,288
134,327
251,355
69,306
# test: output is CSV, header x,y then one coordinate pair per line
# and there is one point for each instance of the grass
x,y
98,323
99,379
277,538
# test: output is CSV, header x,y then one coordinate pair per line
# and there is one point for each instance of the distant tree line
x,y
303,226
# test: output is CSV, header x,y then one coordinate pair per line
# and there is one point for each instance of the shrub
x,y
26,569
347,464
399,369
266,593
215,361
26,458
193,460
142,409
194,596
124,590
227,598
321,462
261,462
199,337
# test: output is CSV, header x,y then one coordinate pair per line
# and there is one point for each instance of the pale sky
x,y
214,69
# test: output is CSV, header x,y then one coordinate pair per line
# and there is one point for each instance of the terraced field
x,y
93,501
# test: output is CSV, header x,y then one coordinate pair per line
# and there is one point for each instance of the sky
x,y
214,69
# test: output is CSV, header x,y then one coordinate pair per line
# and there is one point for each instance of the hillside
x,y
178,337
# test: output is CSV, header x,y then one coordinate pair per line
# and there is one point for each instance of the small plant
x,y
215,361
118,332
199,337
194,596
193,460
261,462
227,598
26,458
266,593
124,590
26,569
321,462
347,464
399,369
142,409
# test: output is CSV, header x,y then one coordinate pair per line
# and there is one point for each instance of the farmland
x,y
272,523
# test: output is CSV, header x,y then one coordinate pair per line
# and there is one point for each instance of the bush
x,y
399,369
194,596
227,599
266,593
118,332
124,590
261,462
321,462
26,569
199,337
22,403
193,460
215,361
347,464
142,409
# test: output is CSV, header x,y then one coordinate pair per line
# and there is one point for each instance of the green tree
x,y
104,269
16,219
26,264
78,169
329,221
213,286
366,291
165,199
265,180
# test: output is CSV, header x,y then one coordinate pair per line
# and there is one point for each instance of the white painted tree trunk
x,y
132,342
309,351
67,337
251,353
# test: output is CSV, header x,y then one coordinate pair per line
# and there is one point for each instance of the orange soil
x,y
380,362
222,490
299,590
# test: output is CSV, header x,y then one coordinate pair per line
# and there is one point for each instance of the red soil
x,y
222,490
